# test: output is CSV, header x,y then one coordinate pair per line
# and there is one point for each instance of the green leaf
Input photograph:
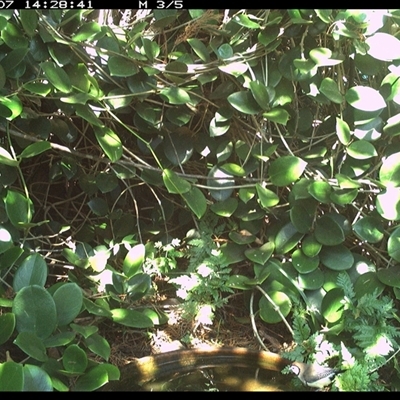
x,y
29,21
312,280
225,208
220,180
267,197
109,142
233,169
13,106
324,14
362,150
344,196
175,95
7,325
98,206
6,243
120,66
131,318
177,148
87,114
389,173
86,31
244,20
151,48
370,229
174,183
13,59
338,258
32,271
196,201
57,76
11,377
392,127
31,345
287,238
242,237
262,254
301,216
35,149
7,159
36,379
19,209
244,102
95,309
85,330
343,131
92,380
390,276
35,311
394,244
310,246
268,311
98,345
260,94
324,57
367,283
328,232
74,359
278,115
68,299
321,191
388,203
330,89
286,170
199,48
133,261
365,98
13,37
59,339
383,46
304,264
332,306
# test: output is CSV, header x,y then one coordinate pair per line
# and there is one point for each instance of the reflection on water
x,y
223,378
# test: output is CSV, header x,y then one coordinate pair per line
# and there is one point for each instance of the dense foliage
x,y
222,150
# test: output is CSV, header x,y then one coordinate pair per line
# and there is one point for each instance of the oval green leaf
x,y
174,183
369,229
266,197
268,311
31,345
244,102
365,98
337,258
134,260
131,318
286,170
57,76
68,299
328,232
362,150
35,311
110,142
32,271
393,244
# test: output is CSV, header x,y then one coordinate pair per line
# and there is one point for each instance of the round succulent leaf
x,y
7,325
177,149
174,183
260,255
365,98
278,115
233,169
330,89
74,359
244,102
240,282
225,208
323,56
383,46
231,253
389,173
330,279
68,299
328,232
390,276
260,94
301,218
196,201
367,283
321,191
131,318
35,311
311,281
32,271
338,258
388,203
369,228
392,127
266,197
344,196
242,237
219,179
332,307
310,246
286,170
287,238
393,244
304,264
268,311
361,150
